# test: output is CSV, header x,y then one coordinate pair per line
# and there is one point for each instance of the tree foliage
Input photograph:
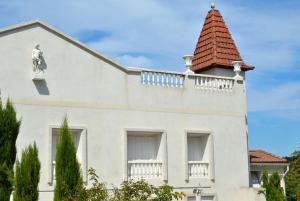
x,y
272,189
98,190
129,191
9,130
292,178
27,175
142,191
68,178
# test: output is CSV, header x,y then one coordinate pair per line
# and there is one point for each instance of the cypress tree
x,y
68,178
27,175
292,179
272,189
9,130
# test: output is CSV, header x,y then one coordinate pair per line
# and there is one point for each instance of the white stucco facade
x,y
107,104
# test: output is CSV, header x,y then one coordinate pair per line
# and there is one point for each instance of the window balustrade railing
x,y
145,169
198,169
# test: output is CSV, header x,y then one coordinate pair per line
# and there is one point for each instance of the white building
x,y
260,161
182,128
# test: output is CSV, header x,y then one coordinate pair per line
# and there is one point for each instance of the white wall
x,y
106,101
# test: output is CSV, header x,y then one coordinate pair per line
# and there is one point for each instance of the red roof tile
x,y
260,156
215,46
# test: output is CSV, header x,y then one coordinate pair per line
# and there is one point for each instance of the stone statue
x,y
37,59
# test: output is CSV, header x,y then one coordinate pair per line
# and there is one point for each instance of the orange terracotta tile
x,y
215,45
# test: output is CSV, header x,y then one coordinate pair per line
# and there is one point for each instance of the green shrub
x,y
142,191
27,175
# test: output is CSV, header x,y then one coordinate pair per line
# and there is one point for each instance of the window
x,y
199,155
255,179
197,150
145,155
79,136
207,198
191,198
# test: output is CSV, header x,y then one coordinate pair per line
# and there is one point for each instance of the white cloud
x,y
282,98
134,61
168,28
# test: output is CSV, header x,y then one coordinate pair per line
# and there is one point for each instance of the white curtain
x,y
196,147
143,147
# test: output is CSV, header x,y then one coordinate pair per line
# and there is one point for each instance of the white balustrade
x,y
177,80
163,79
214,83
198,169
145,169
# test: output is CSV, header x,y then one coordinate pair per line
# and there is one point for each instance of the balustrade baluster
x,y
167,80
171,81
158,78
163,80
201,81
142,77
147,77
150,171
147,170
227,84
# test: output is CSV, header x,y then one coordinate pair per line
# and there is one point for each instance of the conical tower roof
x,y
215,47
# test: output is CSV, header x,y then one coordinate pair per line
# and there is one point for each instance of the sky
x,y
157,33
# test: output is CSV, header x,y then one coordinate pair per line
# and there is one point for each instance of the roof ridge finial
x,y
213,6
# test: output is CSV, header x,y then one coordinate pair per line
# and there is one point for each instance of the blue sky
x,y
156,34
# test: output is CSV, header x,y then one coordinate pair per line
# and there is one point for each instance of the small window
x,y
145,155
79,136
198,155
255,179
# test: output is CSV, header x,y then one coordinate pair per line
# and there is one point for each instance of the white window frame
x,y
83,142
146,132
210,144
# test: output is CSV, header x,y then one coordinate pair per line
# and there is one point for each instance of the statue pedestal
x,y
38,76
